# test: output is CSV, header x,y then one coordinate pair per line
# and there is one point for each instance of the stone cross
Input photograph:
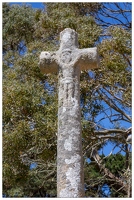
x,y
68,61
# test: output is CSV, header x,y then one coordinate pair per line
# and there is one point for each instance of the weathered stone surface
x,y
69,54
68,61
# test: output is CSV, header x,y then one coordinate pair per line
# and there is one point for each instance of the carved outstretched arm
x,y
88,58
48,62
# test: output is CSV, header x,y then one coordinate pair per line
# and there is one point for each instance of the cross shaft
x,y
68,61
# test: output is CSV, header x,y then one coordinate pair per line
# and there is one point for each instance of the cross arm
x,y
88,58
48,62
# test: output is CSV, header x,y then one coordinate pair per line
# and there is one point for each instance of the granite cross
x,y
68,61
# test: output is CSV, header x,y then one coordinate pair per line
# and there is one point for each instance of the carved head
x,y
68,39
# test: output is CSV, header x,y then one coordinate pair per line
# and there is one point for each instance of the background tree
x,y
30,98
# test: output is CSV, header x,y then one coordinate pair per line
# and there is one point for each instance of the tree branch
x,y
112,105
105,132
119,183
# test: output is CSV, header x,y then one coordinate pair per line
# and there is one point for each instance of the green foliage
x,y
94,178
62,15
18,24
116,164
30,98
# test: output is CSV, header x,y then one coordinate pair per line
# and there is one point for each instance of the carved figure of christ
x,y
68,61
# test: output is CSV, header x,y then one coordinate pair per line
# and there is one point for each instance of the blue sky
x,y
33,5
